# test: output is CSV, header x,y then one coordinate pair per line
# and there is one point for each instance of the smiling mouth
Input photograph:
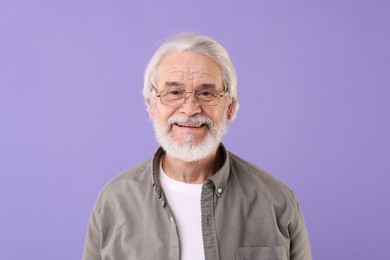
x,y
190,125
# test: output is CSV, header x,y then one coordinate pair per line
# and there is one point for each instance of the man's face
x,y
190,126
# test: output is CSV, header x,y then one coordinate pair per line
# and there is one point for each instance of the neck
x,y
192,172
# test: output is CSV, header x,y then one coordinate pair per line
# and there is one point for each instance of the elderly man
x,y
194,199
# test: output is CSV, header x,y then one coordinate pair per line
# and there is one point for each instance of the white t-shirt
x,y
184,200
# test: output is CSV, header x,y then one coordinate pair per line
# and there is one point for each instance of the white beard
x,y
188,150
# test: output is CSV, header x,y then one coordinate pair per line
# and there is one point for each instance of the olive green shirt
x,y
246,214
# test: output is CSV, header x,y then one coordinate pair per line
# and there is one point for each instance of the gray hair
x,y
200,44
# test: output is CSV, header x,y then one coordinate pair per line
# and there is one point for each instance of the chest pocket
x,y
262,253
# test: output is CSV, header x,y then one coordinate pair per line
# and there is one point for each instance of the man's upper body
x,y
194,200
246,214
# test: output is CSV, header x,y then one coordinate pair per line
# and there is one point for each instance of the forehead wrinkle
x,y
199,78
189,72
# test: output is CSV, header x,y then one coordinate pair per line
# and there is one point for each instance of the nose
x,y
190,106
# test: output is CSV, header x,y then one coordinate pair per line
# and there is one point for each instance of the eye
x,y
206,93
174,92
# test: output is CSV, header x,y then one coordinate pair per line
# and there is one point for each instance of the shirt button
x,y
219,190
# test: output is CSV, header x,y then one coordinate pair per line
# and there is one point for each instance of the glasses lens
x,y
207,97
172,96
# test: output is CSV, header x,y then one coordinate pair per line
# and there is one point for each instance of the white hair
x,y
200,44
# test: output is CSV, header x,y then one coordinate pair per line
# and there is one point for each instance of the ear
x,y
151,108
230,113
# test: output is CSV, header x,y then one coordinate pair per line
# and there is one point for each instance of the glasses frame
x,y
158,94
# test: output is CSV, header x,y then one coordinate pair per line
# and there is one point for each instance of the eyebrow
x,y
168,84
209,86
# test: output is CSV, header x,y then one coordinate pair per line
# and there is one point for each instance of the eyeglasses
x,y
177,96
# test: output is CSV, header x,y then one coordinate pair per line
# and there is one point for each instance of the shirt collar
x,y
219,179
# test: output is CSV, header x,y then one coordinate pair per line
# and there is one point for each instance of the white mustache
x,y
197,119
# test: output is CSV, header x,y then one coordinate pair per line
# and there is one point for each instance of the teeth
x,y
190,126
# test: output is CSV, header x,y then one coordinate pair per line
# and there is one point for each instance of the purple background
x,y
314,91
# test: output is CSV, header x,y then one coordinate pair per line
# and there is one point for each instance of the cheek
x,y
164,113
218,113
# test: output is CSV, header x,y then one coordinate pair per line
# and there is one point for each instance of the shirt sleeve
x,y
299,238
92,240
